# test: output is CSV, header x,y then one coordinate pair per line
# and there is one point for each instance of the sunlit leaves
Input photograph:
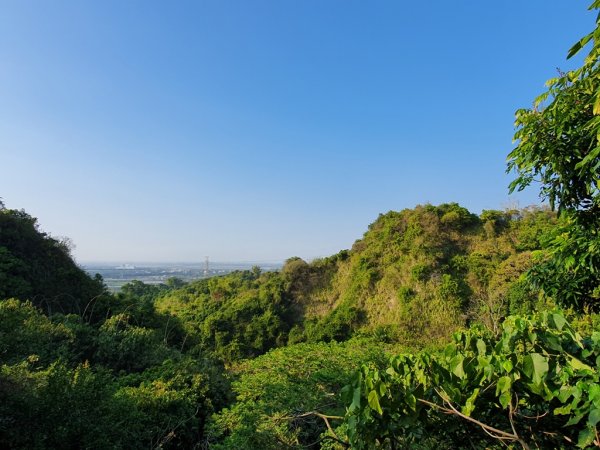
x,y
535,366
502,383
558,147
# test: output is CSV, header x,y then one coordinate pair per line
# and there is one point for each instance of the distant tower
x,y
206,266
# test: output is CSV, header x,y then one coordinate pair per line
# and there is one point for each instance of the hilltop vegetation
x,y
415,277
39,268
418,275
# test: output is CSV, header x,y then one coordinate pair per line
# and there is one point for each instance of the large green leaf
x,y
594,417
373,400
456,366
578,365
535,366
586,437
558,321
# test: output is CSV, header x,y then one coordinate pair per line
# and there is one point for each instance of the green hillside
x,y
415,277
418,275
39,268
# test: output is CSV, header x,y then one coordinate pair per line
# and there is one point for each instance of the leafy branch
x,y
538,375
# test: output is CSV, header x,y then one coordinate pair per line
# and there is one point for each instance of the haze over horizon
x,y
257,131
196,263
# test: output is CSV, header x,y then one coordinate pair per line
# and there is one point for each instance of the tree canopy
x,y
558,146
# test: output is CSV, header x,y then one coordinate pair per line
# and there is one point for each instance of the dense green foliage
x,y
82,407
237,316
50,397
536,385
278,395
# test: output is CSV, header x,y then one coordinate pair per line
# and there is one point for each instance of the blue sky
x,y
260,130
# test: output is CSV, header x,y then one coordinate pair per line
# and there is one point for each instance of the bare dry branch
x,y
326,419
493,432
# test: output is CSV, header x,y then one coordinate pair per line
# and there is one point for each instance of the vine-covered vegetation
x,y
535,385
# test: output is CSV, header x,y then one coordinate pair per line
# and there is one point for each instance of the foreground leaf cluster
x,y
535,386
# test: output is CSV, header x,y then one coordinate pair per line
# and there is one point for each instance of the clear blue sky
x,y
260,130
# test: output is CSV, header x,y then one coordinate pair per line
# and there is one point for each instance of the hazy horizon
x,y
199,263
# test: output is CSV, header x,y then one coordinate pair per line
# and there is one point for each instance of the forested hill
x,y
37,267
418,274
415,277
